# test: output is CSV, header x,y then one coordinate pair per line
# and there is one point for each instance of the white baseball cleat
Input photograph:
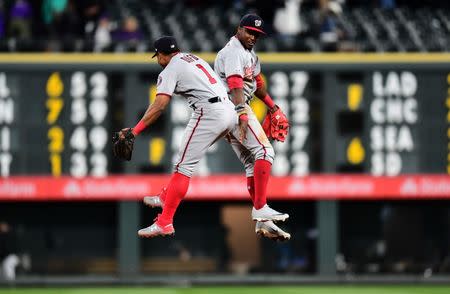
x,y
154,201
270,230
266,213
156,230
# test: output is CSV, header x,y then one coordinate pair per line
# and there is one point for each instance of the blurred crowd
x,y
284,18
68,25
61,22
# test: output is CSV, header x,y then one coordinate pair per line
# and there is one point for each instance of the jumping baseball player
x,y
240,72
213,117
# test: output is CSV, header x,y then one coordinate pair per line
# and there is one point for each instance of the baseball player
x,y
213,116
240,72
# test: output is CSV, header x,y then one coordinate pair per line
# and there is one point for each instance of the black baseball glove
x,y
123,143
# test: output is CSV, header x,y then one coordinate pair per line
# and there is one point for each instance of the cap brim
x,y
154,55
255,29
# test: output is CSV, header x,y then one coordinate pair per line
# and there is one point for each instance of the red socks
x,y
179,184
261,174
176,190
162,194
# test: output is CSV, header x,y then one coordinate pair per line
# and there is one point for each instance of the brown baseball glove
x,y
123,143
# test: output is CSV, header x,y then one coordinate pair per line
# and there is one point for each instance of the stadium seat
x,y
208,27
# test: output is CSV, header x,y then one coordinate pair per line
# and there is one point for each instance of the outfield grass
x,y
239,290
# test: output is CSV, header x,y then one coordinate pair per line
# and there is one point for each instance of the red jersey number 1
x,y
210,78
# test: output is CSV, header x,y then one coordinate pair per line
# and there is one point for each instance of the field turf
x,y
410,289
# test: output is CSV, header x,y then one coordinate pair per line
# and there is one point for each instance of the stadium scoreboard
x,y
54,123
346,117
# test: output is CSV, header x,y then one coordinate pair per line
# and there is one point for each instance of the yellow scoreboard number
x,y
55,134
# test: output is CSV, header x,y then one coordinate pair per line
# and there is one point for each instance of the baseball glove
x,y
276,125
123,143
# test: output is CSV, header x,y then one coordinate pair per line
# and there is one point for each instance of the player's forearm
x,y
262,94
265,97
237,96
152,113
236,85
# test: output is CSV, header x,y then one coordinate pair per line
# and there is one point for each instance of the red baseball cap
x,y
252,22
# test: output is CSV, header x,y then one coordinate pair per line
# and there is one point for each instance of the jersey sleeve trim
x,y
164,94
235,82
235,75
259,81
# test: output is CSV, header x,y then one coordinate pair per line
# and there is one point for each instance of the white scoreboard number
x,y
88,95
297,108
6,119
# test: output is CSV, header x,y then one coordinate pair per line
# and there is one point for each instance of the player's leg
x,y
259,146
176,190
262,154
179,182
202,131
266,229
247,159
158,200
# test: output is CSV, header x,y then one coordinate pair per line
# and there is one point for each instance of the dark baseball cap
x,y
252,22
166,45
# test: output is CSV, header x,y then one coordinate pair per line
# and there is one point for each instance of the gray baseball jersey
x,y
214,115
191,77
234,60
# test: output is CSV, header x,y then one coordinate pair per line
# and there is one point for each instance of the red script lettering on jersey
x,y
210,78
191,58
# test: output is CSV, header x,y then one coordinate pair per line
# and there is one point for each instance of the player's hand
x,y
243,126
122,132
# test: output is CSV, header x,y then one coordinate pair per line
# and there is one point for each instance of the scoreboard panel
x,y
406,122
57,118
293,91
55,123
